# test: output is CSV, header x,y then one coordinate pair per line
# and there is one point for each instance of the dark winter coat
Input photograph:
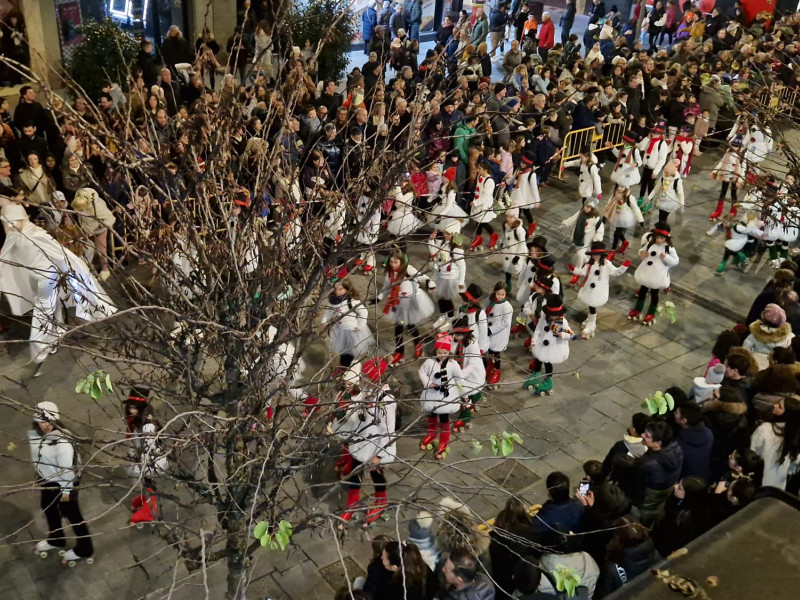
x,y
634,561
566,515
369,19
505,550
481,589
728,423
660,470
696,443
683,521
414,11
497,20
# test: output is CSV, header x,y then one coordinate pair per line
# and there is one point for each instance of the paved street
x,y
604,381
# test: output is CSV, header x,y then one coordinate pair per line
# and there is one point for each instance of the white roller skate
x,y
71,559
44,548
589,327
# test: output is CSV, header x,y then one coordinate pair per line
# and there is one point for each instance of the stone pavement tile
x,y
265,586
603,438
302,579
612,402
581,451
671,350
560,460
652,339
696,360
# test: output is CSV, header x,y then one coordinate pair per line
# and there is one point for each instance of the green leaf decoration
x,y
458,239
662,407
672,314
79,387
567,580
651,405
95,394
670,401
108,383
495,444
260,530
515,437
282,539
506,447
477,447
265,541
285,526
570,587
90,378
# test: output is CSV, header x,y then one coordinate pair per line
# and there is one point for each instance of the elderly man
x,y
547,36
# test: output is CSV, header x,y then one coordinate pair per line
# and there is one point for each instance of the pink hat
x,y
773,315
443,342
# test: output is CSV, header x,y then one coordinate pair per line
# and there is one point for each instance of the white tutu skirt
x,y
623,218
403,224
446,289
412,310
350,341
667,203
444,215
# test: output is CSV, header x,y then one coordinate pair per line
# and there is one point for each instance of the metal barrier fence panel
x,y
576,141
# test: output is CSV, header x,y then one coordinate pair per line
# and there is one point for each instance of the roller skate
x,y
531,228
545,387
740,260
353,498
624,246
144,508
493,240
464,418
721,267
634,315
477,243
397,359
494,380
527,343
430,436
489,371
532,381
574,279
377,510
650,318
44,548
717,211
518,329
444,441
71,559
418,348
311,407
589,327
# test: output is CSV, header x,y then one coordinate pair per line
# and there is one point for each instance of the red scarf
x,y
394,292
651,145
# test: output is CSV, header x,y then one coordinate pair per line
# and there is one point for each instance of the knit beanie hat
x,y
773,315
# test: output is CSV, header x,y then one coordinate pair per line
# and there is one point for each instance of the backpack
x,y
581,592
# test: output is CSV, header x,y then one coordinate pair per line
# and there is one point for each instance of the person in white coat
x,y
593,284
513,246
589,185
730,170
473,310
658,257
473,372
537,248
525,195
738,235
629,161
778,444
447,258
403,221
446,211
790,225
532,309
683,150
482,207
655,151
54,459
499,314
367,424
407,304
97,222
622,212
345,320
369,228
550,345
37,273
668,193
441,379
587,227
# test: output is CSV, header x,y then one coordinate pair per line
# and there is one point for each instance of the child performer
x,y
668,193
730,170
589,186
473,373
513,246
499,314
550,345
594,283
451,271
346,323
473,310
622,212
587,227
440,377
658,257
525,195
482,206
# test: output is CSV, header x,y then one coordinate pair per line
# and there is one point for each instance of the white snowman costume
x,y
369,227
594,281
369,426
447,212
589,185
739,235
594,231
348,327
473,373
513,247
526,190
548,346
413,305
403,221
498,320
526,277
653,271
626,170
445,397
483,203
478,324
668,193
450,266
625,215
791,225
655,151
773,224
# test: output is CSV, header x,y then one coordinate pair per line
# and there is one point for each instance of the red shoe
x,y
418,350
531,366
342,273
718,211
531,229
574,279
397,358
634,315
359,262
378,506
495,378
493,240
733,211
527,343
476,243
611,255
624,247
649,319
517,329
369,268
444,440
489,370
144,507
311,406
353,497
433,430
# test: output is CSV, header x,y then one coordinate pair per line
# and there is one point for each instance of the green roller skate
x,y
532,381
545,387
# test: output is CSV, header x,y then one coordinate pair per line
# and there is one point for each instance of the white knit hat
x,y
46,412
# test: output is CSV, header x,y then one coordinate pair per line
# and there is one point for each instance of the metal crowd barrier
x,y
575,141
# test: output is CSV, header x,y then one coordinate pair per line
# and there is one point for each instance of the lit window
x,y
122,10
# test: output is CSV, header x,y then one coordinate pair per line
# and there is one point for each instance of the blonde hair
x,y
84,197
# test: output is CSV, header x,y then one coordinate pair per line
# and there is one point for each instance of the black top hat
x,y
139,393
545,282
539,241
661,229
597,248
547,263
473,293
554,305
461,325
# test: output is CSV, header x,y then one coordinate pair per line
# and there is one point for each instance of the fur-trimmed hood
x,y
769,335
733,408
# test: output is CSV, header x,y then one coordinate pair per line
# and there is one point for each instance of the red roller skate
x,y
378,506
493,240
624,246
489,370
397,359
144,507
476,243
574,279
634,315
649,319
310,406
433,424
717,211
418,350
518,329
531,229
353,498
527,343
444,440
